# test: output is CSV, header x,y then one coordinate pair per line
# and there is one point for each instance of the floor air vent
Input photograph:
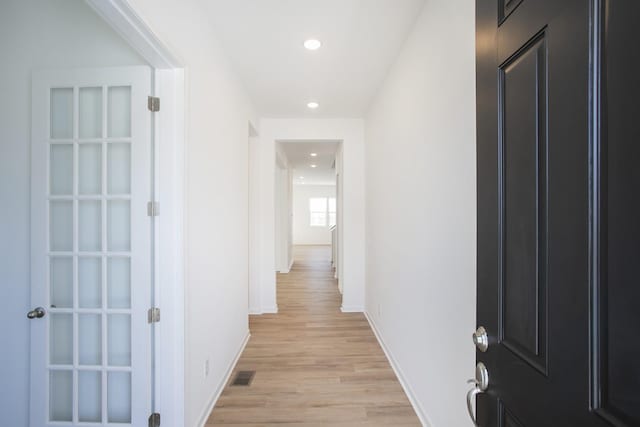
x,y
243,378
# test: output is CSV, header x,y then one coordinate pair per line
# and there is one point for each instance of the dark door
x,y
558,86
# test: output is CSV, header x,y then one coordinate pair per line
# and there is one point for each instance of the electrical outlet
x,y
206,368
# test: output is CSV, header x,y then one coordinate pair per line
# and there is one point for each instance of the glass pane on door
x,y
118,168
61,392
119,282
90,396
119,119
61,338
119,397
90,112
61,225
90,339
119,343
119,225
89,227
90,169
62,113
61,169
90,282
61,277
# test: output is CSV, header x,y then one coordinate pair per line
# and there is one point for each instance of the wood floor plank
x,y
315,366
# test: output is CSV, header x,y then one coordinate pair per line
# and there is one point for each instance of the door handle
x,y
37,313
481,383
471,395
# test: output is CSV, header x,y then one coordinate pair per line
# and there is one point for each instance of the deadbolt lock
x,y
481,339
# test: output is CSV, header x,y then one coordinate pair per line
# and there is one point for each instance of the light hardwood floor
x,y
315,366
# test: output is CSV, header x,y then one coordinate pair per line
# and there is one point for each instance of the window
x,y
318,211
322,211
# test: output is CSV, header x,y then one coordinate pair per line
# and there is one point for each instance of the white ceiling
x,y
299,156
264,40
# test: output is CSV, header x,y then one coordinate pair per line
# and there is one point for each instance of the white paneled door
x,y
91,248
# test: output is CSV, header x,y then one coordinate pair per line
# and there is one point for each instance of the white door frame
x,y
169,146
351,214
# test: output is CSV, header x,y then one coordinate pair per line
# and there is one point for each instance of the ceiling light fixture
x,y
314,166
302,177
313,105
314,154
312,44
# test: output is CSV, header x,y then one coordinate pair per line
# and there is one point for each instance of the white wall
x,y
216,216
421,220
303,233
283,211
283,218
254,226
352,234
33,35
337,263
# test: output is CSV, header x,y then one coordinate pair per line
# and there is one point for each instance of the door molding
x,y
169,142
125,21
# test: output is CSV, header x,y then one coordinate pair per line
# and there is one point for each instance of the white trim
x,y
216,395
288,270
420,412
291,264
253,311
352,309
351,210
270,310
170,342
126,22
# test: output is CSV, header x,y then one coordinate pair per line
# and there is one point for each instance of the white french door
x,y
91,247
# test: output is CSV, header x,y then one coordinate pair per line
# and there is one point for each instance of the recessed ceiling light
x,y
312,44
313,105
314,166
302,177
314,154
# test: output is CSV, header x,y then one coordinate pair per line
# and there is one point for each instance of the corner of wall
x,y
202,420
411,395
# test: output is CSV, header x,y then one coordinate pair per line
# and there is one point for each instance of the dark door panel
x,y
558,83
522,150
617,394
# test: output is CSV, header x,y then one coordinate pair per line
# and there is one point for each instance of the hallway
x,y
314,365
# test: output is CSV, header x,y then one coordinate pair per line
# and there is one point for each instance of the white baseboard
x,y
424,419
352,309
270,310
288,270
216,395
260,311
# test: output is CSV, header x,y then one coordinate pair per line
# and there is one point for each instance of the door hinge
x,y
153,103
154,420
154,315
153,209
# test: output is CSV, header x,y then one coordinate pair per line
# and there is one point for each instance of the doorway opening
x,y
307,202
